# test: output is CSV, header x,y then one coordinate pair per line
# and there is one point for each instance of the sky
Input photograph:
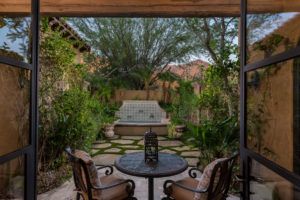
x,y
16,45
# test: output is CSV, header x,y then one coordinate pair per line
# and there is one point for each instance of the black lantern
x,y
151,147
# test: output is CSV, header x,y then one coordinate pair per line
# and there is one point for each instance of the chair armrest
x,y
182,186
129,189
109,169
192,172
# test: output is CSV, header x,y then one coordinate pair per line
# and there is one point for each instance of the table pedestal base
x,y
150,188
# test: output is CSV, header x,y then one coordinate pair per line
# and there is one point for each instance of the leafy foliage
x,y
184,103
215,138
75,112
216,130
69,115
135,50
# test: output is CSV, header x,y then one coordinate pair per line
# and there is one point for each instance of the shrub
x,y
215,139
76,124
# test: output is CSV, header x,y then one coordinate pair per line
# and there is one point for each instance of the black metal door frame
x,y
30,151
246,154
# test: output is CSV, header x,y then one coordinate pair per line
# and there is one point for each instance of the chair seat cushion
x,y
182,194
116,193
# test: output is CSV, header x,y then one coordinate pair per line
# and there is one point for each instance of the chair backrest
x,y
80,173
221,178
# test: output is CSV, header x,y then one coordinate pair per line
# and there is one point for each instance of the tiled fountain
x,y
136,117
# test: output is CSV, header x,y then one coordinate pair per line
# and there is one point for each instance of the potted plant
x,y
175,131
109,130
108,120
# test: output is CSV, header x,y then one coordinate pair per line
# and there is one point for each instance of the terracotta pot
x,y
109,131
179,130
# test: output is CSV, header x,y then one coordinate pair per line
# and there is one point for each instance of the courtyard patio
x,y
105,152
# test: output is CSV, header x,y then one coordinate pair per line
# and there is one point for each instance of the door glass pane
x,y
14,108
12,179
272,28
267,185
272,113
15,30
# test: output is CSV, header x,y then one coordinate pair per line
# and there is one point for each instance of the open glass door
x,y
270,103
18,100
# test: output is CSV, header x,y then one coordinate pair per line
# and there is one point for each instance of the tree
x,y
135,50
217,38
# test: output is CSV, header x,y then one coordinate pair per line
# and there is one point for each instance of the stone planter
x,y
179,130
109,130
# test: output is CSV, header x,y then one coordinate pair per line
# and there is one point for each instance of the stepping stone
x,y
170,143
141,142
94,151
101,146
122,141
132,137
161,138
105,159
112,150
192,161
113,137
129,147
168,151
133,151
191,154
100,141
184,148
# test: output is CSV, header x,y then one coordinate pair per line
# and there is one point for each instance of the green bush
x,y
76,124
215,139
185,103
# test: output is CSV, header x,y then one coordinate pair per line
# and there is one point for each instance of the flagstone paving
x,y
170,143
101,146
184,148
132,151
107,152
168,151
130,147
192,161
121,141
105,159
191,154
94,151
132,137
113,150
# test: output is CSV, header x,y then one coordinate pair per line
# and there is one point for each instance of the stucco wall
x,y
271,106
122,94
14,117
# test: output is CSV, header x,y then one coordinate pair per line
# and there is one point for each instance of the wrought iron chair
x,y
90,186
213,184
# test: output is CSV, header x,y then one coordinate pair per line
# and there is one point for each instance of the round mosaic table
x,y
167,165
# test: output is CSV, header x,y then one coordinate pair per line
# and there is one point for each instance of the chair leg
x,y
77,196
168,191
130,189
167,198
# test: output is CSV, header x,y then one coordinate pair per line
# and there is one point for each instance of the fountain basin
x,y
137,117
